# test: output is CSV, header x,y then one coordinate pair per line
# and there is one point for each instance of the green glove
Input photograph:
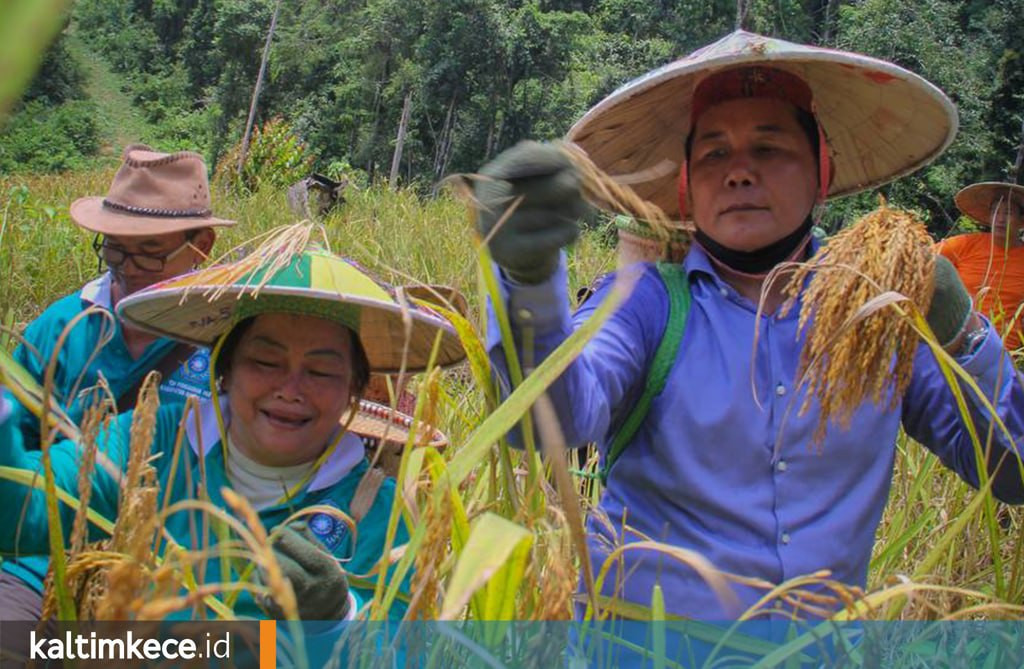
x,y
951,304
321,589
526,245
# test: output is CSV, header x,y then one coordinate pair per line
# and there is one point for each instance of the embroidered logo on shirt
x,y
330,530
197,365
192,378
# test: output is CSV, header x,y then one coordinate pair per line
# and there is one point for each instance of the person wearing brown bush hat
x,y
155,222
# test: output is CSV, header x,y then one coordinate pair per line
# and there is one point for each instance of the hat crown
x,y
154,184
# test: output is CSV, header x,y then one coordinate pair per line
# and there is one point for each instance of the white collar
x,y
348,453
98,292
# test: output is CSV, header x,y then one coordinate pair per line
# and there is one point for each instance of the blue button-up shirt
x,y
724,463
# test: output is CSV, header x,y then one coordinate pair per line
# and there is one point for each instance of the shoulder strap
x,y
678,309
166,366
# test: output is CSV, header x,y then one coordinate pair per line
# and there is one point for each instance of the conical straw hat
x,y
976,200
881,121
201,306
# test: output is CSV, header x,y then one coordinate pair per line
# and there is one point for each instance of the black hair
x,y
804,119
360,363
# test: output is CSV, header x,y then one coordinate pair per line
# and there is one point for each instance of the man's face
x,y
753,173
134,260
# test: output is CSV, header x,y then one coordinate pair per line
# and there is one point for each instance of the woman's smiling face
x,y
288,382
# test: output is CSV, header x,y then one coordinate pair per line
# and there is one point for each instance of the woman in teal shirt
x,y
292,357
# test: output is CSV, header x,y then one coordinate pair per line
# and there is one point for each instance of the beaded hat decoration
x,y
375,423
152,194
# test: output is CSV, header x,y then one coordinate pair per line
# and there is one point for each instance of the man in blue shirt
x,y
154,223
723,464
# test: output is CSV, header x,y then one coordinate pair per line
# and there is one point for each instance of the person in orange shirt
x,y
991,264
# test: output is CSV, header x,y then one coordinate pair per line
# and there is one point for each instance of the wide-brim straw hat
x,y
881,121
152,194
201,306
976,200
376,423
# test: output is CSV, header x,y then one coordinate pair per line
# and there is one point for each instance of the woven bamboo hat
x,y
152,194
880,120
201,306
976,200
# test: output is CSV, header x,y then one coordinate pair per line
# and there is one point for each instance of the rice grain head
x,y
843,366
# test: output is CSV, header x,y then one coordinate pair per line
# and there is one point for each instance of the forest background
x,y
409,91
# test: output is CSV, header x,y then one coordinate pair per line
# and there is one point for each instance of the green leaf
x,y
494,559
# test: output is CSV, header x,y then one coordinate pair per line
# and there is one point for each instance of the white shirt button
x,y
782,466
723,291
525,314
784,538
780,390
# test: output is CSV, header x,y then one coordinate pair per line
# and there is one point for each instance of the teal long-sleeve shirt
x,y
93,347
333,485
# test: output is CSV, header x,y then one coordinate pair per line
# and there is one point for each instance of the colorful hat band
x,y
331,310
756,82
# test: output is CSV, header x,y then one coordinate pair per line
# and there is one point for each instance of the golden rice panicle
x,y
427,578
607,193
92,420
849,358
558,581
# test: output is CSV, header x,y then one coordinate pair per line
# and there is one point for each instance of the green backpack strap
x,y
678,309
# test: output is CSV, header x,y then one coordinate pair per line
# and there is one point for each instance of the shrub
x,y
49,139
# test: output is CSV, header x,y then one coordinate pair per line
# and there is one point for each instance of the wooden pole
x,y
256,91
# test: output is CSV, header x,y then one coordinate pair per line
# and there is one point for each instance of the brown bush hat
x,y
152,194
976,200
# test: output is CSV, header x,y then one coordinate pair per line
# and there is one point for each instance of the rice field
x,y
497,533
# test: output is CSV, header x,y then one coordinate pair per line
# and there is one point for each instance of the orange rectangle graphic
x,y
268,644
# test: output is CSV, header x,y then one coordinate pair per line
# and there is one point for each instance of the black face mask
x,y
763,259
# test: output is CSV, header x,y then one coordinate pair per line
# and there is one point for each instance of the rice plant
x,y
496,532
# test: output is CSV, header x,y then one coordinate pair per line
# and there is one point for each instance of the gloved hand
x,y
321,589
951,304
526,245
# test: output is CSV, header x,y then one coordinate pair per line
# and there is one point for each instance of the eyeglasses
x,y
115,258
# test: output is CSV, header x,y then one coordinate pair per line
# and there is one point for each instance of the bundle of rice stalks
x,y
111,578
650,228
274,250
857,349
649,234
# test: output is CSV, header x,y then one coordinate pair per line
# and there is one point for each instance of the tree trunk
x,y
1015,177
443,152
396,160
256,90
831,9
